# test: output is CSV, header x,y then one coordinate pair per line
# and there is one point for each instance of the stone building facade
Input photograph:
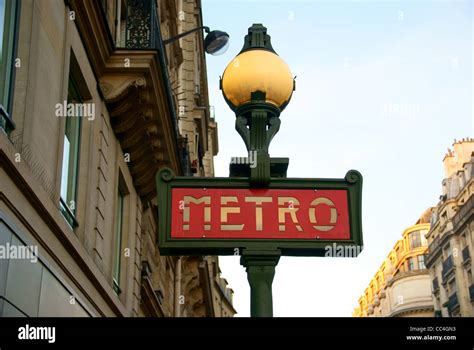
x,y
401,286
90,110
451,237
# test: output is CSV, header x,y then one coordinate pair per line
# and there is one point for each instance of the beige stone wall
x,y
30,175
47,40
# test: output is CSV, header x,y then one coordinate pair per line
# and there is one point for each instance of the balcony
x,y
435,285
448,267
466,257
141,24
452,303
463,213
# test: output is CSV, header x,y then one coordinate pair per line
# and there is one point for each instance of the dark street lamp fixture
x,y
215,43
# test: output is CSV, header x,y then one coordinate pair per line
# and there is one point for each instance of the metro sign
x,y
219,216
259,213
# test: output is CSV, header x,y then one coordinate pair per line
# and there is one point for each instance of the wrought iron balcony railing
x,y
142,30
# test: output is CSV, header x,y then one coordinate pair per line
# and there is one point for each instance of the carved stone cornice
x,y
116,87
136,125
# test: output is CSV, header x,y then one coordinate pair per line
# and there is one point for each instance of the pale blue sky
x,y
382,87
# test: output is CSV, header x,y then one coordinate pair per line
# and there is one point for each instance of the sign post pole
x,y
260,267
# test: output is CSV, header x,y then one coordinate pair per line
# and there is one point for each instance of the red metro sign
x,y
299,217
259,214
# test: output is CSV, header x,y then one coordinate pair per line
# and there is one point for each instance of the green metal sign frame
x,y
166,181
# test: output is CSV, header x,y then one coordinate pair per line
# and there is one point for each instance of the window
x,y
415,240
452,287
118,241
448,251
69,174
120,23
8,21
411,264
421,262
23,275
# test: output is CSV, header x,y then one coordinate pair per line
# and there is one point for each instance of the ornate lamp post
x,y
270,215
257,85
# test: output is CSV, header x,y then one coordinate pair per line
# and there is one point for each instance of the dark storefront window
x,y
28,288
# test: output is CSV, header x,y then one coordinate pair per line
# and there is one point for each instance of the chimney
x,y
455,159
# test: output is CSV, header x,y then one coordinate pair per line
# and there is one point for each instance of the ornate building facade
x,y
451,237
401,286
91,108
